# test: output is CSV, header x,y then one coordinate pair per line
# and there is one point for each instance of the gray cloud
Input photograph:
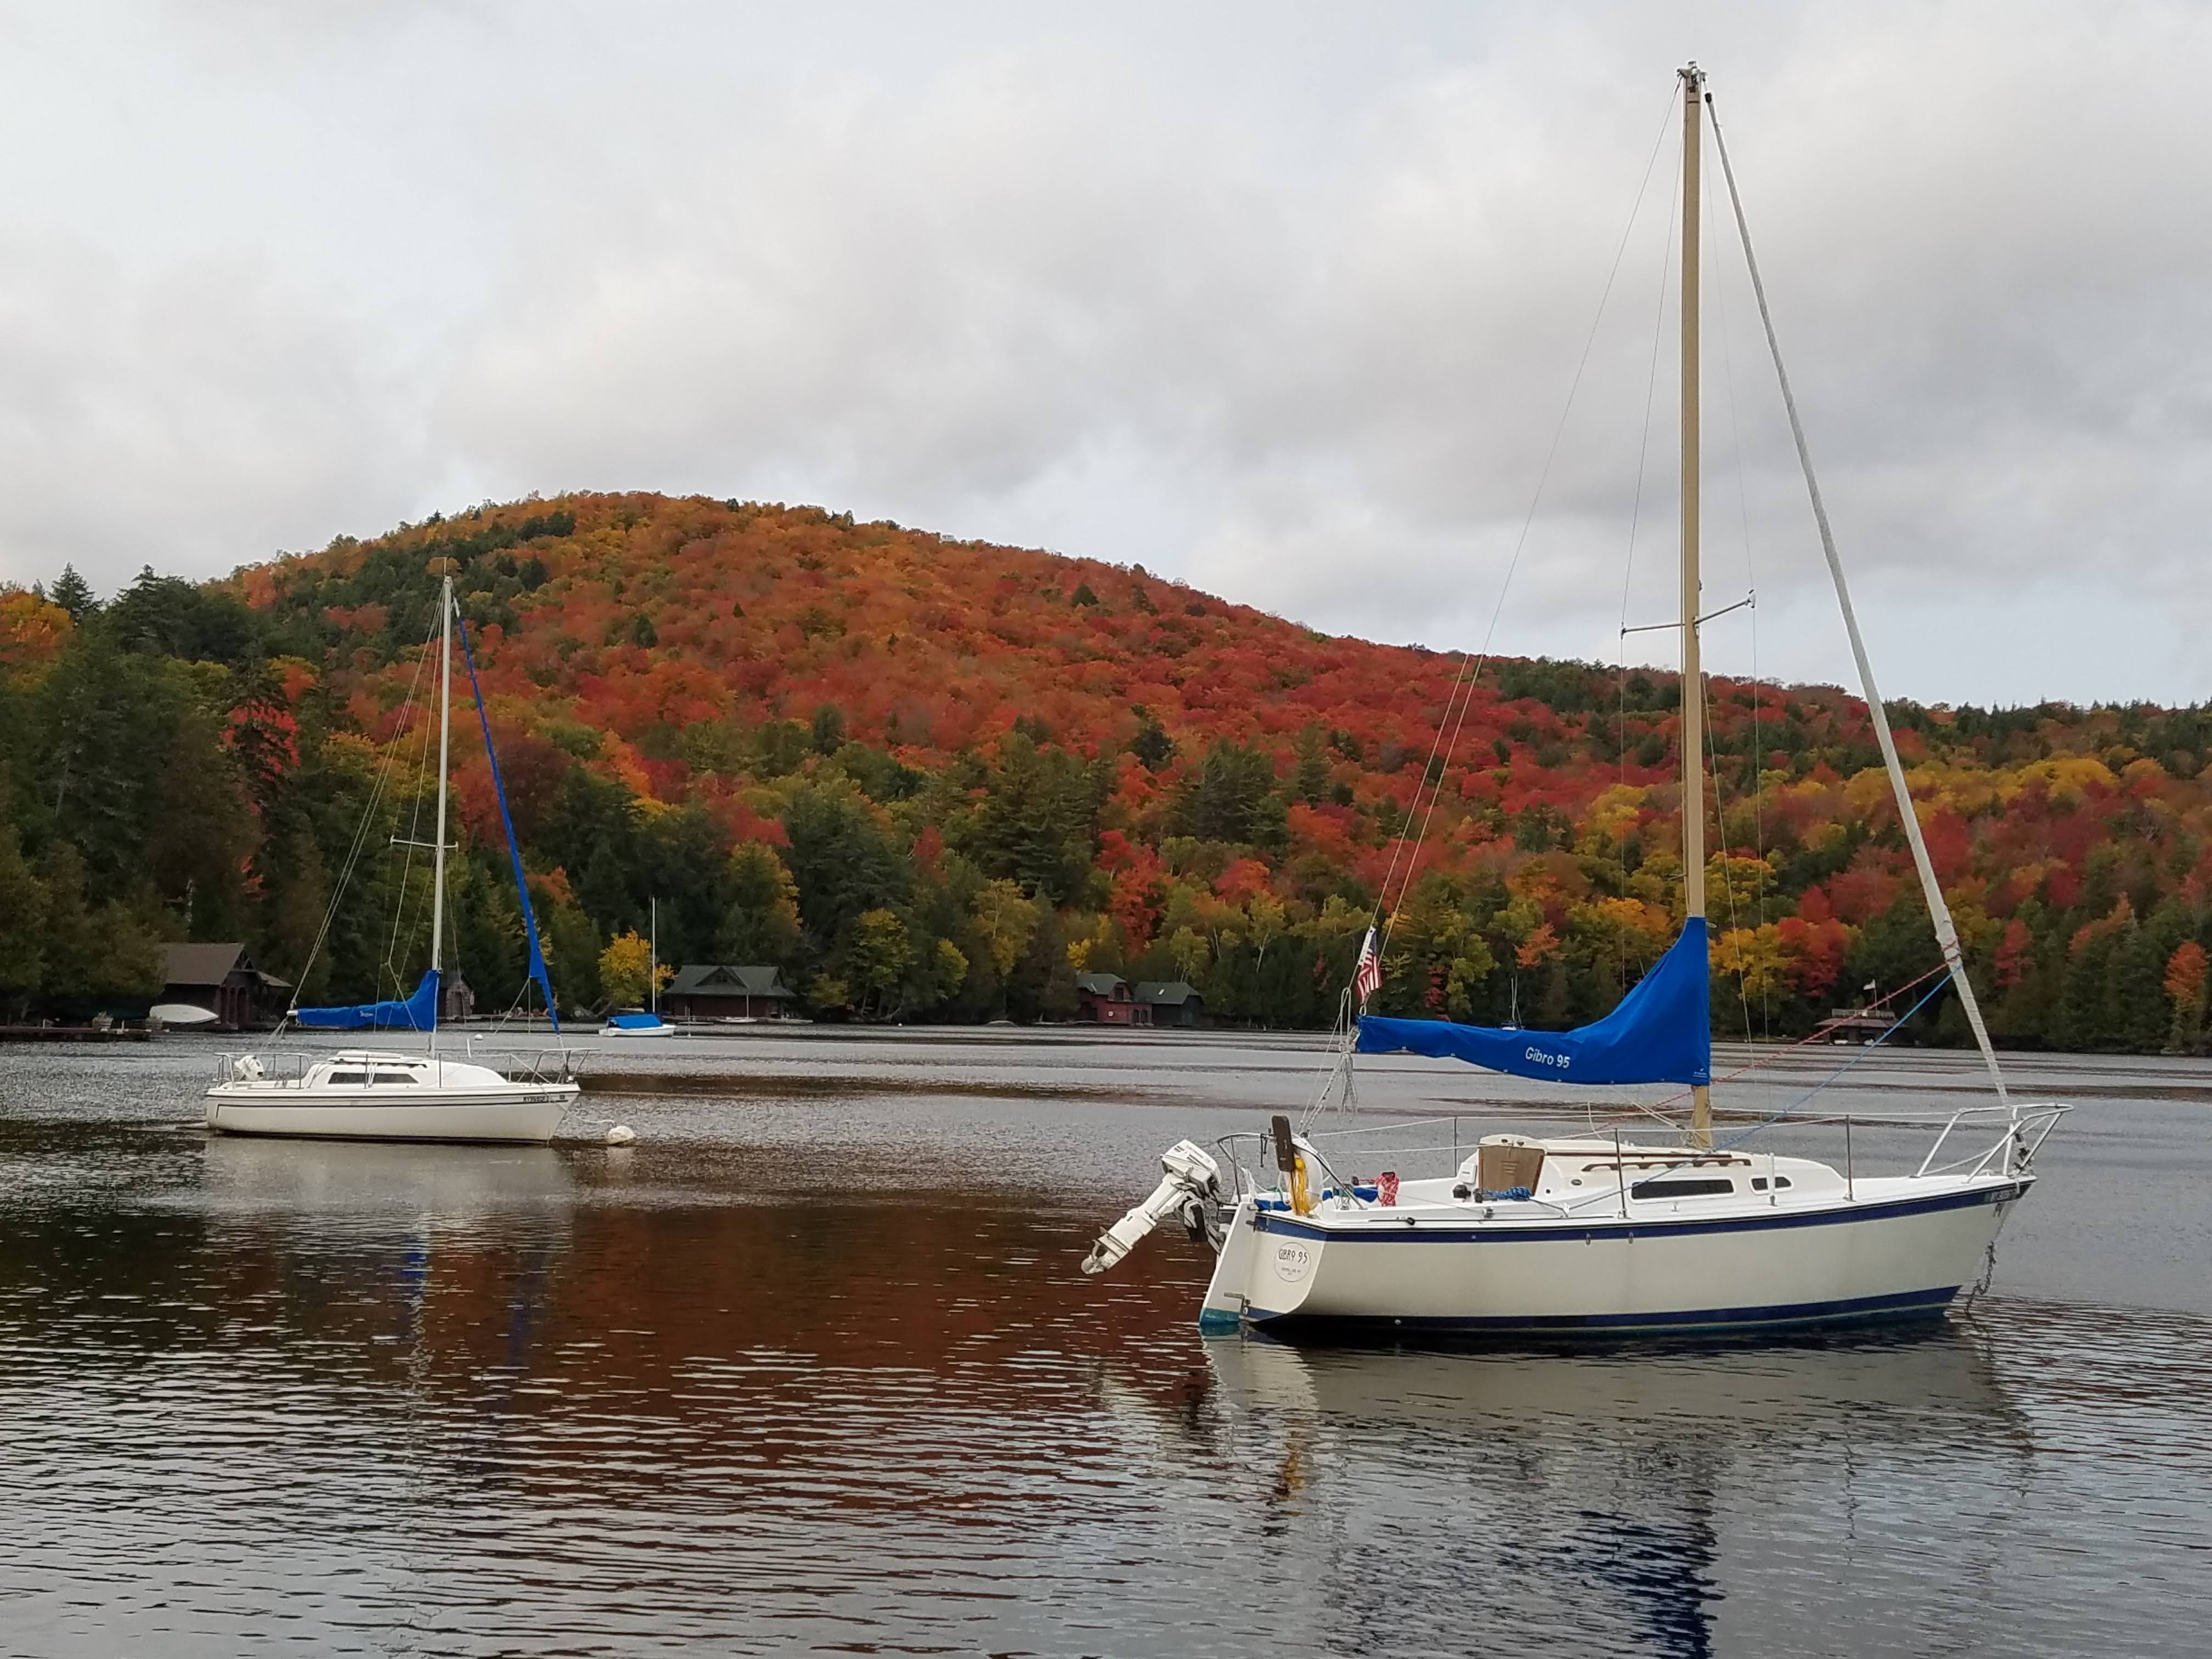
x,y
1284,300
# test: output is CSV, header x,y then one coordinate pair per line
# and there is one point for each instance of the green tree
x,y
93,952
1232,797
22,924
1152,745
74,594
938,976
1310,783
842,858
762,923
572,955
1191,953
1005,919
1438,964
1038,821
169,616
876,958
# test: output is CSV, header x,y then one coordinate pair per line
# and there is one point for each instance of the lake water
x,y
810,1367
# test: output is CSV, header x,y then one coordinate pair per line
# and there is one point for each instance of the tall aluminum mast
x,y
1693,685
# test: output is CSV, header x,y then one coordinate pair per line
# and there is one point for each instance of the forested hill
x,y
932,779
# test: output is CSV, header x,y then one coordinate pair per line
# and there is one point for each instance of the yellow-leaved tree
x,y
624,966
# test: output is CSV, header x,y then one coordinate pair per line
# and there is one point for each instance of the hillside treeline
x,y
931,780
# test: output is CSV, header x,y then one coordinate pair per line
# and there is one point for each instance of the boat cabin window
x,y
349,1076
393,1077
1683,1189
1758,1183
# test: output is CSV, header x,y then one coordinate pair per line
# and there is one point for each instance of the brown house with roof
x,y
718,990
222,979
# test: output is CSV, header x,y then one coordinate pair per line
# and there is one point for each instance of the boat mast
x,y
438,855
652,958
1693,687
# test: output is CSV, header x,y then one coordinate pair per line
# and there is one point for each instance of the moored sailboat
x,y
1599,1234
644,1022
385,1095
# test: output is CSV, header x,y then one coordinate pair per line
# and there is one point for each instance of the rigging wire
x,y
1628,571
1472,664
1751,587
367,820
1939,910
1707,695
1828,1081
1774,1056
400,907
1728,883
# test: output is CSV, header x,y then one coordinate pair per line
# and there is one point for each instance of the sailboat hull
x,y
1900,1253
529,1117
366,1094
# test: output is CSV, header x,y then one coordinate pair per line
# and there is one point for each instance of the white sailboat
x,y
374,1094
646,1022
1598,1234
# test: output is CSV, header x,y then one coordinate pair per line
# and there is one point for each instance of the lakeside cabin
x,y
222,979
1172,1002
717,990
1107,1000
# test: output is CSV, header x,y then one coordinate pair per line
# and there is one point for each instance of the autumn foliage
x,y
932,778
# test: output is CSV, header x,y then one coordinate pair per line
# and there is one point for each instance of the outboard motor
x,y
1190,1181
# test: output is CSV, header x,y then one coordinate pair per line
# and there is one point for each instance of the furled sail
x,y
1661,1032
416,1014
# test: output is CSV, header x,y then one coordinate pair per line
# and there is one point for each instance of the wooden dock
x,y
74,1034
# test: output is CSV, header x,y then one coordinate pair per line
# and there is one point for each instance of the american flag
x,y
1368,975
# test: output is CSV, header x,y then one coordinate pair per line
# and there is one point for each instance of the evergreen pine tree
x,y
1311,783
74,594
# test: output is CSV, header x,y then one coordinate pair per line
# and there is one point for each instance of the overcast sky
x,y
1285,300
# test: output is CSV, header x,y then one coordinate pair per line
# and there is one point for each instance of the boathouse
x,y
1172,1002
1107,1000
222,979
716,990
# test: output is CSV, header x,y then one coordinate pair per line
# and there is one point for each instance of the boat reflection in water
x,y
1897,1379
327,1185
405,1229
1614,1501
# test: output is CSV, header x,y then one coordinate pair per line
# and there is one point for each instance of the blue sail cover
x,y
1661,1032
416,1014
514,852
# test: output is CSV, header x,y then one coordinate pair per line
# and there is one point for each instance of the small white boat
x,y
636,1025
184,1016
366,1094
1604,1236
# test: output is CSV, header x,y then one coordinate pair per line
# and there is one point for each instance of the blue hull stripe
x,y
1903,1305
1275,1221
